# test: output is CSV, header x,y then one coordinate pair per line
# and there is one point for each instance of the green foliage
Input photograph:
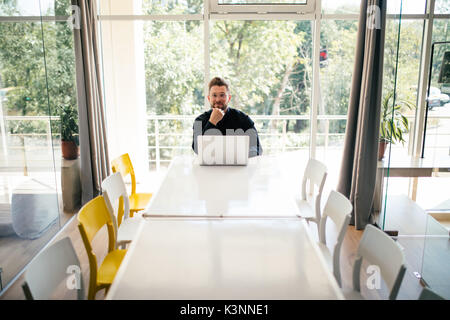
x,y
36,86
408,68
69,123
255,56
394,124
339,37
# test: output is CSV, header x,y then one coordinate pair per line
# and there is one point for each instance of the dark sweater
x,y
232,120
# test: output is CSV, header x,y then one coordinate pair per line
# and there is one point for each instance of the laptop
x,y
223,150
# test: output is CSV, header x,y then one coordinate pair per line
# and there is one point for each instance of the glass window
x,y
338,44
442,6
172,6
268,64
408,6
253,2
154,7
438,121
342,6
174,67
338,41
306,6
407,78
32,92
35,8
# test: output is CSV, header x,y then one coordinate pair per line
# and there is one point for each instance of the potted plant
x,y
393,123
69,132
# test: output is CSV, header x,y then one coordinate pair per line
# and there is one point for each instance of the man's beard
x,y
222,107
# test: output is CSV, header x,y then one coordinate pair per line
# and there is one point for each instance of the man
x,y
224,120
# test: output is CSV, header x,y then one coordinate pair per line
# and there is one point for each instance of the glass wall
x,y
414,176
37,79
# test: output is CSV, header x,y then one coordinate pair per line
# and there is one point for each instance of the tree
x,y
37,65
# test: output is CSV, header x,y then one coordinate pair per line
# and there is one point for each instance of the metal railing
x,y
271,129
280,134
10,146
274,129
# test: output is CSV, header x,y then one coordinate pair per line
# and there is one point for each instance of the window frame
x,y
309,7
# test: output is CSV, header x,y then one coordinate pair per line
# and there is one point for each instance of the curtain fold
x,y
359,162
93,142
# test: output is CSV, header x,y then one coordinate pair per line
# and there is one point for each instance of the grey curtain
x,y
93,144
359,162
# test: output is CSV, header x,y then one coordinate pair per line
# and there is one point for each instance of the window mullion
x,y
316,81
423,81
206,37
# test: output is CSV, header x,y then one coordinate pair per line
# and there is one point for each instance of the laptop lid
x,y
223,150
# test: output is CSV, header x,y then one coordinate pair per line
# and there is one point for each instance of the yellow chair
x,y
92,217
138,201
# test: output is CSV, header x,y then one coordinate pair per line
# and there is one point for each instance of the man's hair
x,y
217,81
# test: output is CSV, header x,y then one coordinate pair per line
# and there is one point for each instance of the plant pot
x,y
69,150
381,149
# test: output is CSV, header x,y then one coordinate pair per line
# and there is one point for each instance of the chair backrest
x,y
428,294
92,217
338,209
116,198
381,251
316,172
123,165
50,268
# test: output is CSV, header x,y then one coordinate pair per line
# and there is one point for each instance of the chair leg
x,y
91,294
107,289
133,211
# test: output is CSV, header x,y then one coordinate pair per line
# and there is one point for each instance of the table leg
x,y
413,188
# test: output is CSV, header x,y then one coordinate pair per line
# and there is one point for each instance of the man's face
x,y
219,97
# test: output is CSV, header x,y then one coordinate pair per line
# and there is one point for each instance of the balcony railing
x,y
25,146
272,130
169,135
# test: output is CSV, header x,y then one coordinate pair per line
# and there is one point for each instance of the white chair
x,y
50,269
316,173
380,251
338,209
117,201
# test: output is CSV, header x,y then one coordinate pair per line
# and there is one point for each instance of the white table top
x,y
259,189
212,259
412,166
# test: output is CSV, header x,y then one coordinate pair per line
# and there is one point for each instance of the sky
x,y
31,7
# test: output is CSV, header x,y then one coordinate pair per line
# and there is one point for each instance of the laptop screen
x,y
223,150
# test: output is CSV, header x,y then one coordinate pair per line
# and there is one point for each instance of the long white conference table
x,y
224,233
223,259
263,188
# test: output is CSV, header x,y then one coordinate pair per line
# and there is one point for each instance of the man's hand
x,y
216,115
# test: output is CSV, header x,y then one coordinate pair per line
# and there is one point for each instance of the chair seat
x,y
350,294
128,228
109,267
138,201
327,255
305,209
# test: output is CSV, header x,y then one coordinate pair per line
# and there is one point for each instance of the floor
x,y
15,252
